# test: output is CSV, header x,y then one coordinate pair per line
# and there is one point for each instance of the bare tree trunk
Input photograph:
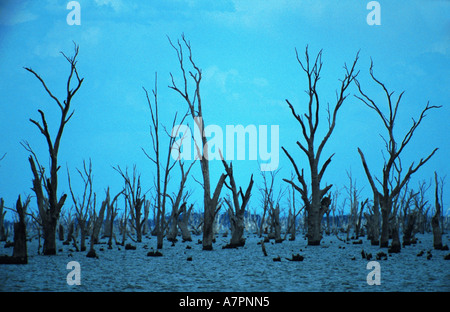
x,y
20,255
97,224
183,223
237,214
437,234
61,232
2,221
358,224
275,219
395,245
173,229
135,201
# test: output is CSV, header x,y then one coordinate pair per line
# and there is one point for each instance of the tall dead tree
x,y
97,221
178,199
267,195
293,214
194,102
50,215
162,183
392,182
3,234
437,231
236,209
138,209
111,208
309,123
84,205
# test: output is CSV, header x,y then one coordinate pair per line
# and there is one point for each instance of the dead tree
x,y
309,123
20,255
353,195
84,205
97,221
183,223
435,220
395,246
359,221
392,182
267,195
236,209
135,201
194,102
422,206
181,197
408,217
293,214
3,233
111,208
274,213
50,215
162,185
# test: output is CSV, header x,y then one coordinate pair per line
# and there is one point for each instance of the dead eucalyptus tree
x,y
194,102
50,205
236,209
293,213
84,205
267,195
138,206
162,183
314,202
392,181
435,220
179,208
3,232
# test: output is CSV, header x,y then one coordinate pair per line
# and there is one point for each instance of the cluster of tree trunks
x,y
20,255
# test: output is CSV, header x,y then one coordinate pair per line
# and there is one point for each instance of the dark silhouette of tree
x,y
437,231
163,173
236,209
138,206
194,102
50,204
20,254
392,181
309,122
84,205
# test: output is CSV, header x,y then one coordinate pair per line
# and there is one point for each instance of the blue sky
x,y
246,52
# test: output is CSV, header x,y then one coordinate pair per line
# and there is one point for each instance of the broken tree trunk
x,y
183,223
237,214
20,237
275,222
437,234
2,221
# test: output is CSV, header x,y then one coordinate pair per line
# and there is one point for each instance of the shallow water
x,y
328,267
